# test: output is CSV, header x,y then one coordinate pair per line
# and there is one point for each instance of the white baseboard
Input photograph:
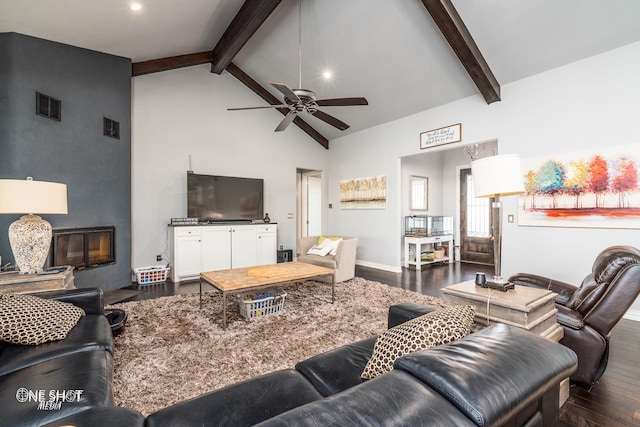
x,y
632,315
377,266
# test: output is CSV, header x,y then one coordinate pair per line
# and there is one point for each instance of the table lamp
x,y
30,236
497,176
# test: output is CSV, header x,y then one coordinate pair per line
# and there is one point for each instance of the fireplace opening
x,y
83,247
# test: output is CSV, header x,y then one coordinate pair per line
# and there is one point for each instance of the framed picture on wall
x,y
364,193
595,189
441,136
419,193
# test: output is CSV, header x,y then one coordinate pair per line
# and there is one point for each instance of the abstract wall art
x,y
364,193
598,188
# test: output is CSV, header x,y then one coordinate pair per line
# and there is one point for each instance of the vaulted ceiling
x,y
404,56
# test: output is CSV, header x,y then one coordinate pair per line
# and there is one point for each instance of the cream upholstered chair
x,y
344,262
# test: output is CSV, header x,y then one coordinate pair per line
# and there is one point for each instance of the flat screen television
x,y
212,198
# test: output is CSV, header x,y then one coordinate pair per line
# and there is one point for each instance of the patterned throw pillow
x,y
30,320
442,326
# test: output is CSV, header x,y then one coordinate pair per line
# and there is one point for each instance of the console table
x,y
418,242
18,283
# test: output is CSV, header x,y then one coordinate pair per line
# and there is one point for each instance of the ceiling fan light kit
x,y
305,100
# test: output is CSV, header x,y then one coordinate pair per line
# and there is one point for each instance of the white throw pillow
x,y
321,250
332,244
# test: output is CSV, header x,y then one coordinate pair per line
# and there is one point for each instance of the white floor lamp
x,y
30,236
497,176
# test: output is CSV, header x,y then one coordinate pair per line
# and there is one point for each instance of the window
x,y
478,213
419,193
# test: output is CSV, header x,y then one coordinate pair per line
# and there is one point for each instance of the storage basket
x,y
148,275
253,305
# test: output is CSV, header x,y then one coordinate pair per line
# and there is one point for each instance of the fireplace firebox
x,y
83,247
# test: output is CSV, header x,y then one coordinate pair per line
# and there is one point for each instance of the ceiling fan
x,y
305,100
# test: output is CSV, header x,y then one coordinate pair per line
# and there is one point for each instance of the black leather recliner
x,y
589,312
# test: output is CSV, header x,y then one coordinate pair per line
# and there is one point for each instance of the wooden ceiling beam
x,y
170,63
249,18
245,79
455,31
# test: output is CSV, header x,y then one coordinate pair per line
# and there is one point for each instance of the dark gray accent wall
x,y
74,151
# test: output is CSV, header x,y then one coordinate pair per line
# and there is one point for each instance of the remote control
x,y
43,272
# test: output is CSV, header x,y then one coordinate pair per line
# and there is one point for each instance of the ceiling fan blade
x,y
288,93
330,119
257,108
286,121
341,102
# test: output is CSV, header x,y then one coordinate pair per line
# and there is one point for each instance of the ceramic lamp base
x,y
30,239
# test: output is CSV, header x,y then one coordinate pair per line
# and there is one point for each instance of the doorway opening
x,y
446,175
476,238
309,202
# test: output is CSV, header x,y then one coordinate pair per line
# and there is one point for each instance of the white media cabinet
x,y
198,248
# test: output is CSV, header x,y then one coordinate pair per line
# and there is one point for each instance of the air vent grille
x,y
111,128
49,107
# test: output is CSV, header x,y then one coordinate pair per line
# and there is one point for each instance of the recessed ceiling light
x,y
135,6
327,74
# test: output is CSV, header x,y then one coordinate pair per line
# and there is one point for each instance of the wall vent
x,y
111,128
47,106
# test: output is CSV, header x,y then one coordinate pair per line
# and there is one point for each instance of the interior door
x,y
309,186
476,240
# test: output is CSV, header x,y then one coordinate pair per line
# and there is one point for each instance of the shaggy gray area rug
x,y
171,350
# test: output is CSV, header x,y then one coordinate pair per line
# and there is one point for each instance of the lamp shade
x,y
497,175
34,197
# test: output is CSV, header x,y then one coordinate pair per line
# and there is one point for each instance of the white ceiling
x,y
390,52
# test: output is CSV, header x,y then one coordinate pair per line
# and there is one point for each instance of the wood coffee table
x,y
242,279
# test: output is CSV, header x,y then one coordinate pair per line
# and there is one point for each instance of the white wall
x,y
183,112
429,166
583,105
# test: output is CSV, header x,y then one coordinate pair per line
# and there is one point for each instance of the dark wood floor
x,y
613,401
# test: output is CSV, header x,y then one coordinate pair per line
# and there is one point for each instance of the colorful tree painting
x,y
577,180
551,179
598,190
598,177
625,182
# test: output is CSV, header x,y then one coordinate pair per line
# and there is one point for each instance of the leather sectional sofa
x,y
42,383
498,376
